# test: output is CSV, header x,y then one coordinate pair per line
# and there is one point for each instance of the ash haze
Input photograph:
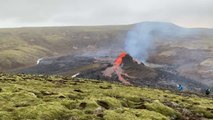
x,y
22,13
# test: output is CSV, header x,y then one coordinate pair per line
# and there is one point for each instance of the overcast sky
x,y
187,13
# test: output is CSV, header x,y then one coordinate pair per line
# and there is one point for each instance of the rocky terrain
x,y
154,76
56,97
192,59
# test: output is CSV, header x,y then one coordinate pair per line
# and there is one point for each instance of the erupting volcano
x,y
117,68
128,71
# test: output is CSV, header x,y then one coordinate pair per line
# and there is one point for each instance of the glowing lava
x,y
116,68
119,59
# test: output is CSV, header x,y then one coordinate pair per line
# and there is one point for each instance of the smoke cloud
x,y
142,37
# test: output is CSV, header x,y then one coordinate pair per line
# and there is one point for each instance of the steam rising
x,y
143,35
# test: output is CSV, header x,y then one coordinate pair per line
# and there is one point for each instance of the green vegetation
x,y
21,55
57,97
21,47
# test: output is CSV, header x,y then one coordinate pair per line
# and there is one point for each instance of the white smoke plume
x,y
143,35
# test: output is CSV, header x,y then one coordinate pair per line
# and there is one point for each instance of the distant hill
x,y
20,47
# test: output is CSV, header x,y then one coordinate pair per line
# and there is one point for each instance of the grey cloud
x,y
15,13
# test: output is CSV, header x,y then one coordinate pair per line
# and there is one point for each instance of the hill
x,y
56,97
21,47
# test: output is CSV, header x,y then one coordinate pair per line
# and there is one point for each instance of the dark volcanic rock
x,y
132,68
58,65
138,74
142,75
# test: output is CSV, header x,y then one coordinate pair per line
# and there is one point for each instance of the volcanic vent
x,y
128,69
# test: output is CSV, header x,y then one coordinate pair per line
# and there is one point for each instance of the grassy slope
x,y
56,97
23,46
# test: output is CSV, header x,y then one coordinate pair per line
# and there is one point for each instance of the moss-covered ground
x,y
56,97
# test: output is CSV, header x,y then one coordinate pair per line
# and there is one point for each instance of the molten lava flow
x,y
117,69
118,61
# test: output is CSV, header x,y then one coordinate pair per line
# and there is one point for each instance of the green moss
x,y
132,114
151,115
88,104
77,114
47,97
109,103
205,111
113,115
47,111
5,115
161,108
69,104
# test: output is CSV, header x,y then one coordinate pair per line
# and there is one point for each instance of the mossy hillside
x,y
161,108
49,41
56,97
21,56
133,114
